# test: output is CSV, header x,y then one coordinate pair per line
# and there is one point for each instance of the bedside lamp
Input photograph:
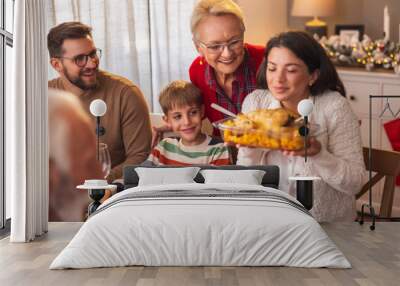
x,y
304,185
96,188
314,8
98,108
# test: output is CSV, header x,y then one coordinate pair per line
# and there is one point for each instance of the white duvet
x,y
187,230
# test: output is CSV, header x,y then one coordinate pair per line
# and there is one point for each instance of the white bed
x,y
222,225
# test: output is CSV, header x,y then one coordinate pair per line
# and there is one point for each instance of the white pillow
x,y
164,176
248,177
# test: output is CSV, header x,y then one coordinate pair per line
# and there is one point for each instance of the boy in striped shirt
x,y
183,109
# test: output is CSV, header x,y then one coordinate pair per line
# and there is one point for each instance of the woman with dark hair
x,y
296,67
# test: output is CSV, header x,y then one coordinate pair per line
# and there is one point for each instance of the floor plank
x,y
374,255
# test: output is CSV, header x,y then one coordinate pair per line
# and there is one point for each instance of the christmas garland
x,y
366,53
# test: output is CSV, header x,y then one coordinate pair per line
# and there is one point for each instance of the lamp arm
x,y
305,137
98,136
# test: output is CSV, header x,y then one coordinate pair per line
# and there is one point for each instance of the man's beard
x,y
77,81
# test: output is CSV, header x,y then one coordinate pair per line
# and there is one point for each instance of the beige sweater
x,y
127,121
340,163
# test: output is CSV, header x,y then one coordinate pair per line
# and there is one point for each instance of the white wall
x,y
263,19
365,12
373,18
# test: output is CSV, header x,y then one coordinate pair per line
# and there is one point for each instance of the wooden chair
x,y
386,164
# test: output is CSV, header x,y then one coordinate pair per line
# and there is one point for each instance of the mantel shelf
x,y
363,72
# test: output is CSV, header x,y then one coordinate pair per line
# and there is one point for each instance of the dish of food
x,y
265,128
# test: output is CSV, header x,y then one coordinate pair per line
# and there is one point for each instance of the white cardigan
x,y
340,163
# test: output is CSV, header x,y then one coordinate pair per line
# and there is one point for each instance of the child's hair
x,y
179,93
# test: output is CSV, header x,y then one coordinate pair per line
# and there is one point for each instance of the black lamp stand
x,y
304,185
304,193
304,131
96,195
100,131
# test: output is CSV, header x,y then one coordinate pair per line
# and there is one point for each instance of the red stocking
x,y
392,129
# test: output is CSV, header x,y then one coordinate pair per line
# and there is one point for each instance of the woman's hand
x,y
313,148
157,134
107,193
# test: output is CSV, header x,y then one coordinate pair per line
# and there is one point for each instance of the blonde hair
x,y
179,93
206,8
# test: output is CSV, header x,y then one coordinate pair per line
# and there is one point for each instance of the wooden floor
x,y
375,257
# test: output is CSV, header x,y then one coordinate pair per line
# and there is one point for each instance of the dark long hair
x,y
312,54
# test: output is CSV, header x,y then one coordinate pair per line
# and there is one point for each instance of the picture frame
x,y
348,31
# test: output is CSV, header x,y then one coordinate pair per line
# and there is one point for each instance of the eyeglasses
x,y
219,48
81,60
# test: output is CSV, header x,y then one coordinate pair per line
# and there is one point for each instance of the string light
x,y
379,53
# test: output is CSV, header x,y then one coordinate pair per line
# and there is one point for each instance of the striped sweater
x,y
170,151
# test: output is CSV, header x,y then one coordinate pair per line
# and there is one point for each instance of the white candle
x,y
386,23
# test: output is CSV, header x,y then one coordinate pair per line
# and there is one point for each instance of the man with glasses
x,y
75,57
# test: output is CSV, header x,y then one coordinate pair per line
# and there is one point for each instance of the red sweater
x,y
197,76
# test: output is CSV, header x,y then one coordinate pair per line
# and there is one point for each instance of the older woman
x,y
296,67
226,69
72,157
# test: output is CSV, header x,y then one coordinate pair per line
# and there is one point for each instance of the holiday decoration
x,y
370,54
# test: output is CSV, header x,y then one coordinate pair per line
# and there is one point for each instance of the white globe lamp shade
x,y
98,107
305,107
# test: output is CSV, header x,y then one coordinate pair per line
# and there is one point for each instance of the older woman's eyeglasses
x,y
219,48
81,60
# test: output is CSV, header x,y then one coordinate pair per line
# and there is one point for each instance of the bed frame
x,y
270,179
